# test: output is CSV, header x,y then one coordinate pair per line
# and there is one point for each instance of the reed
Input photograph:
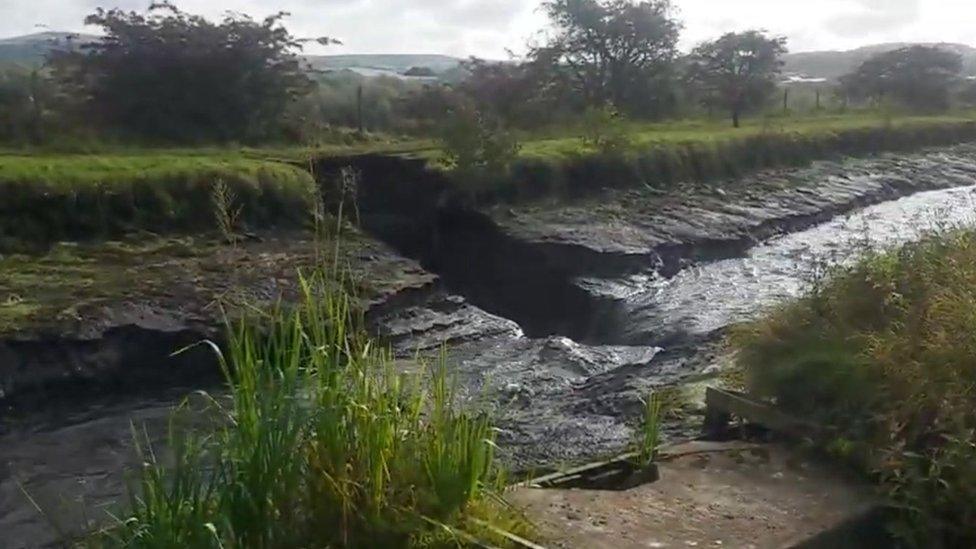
x,y
322,442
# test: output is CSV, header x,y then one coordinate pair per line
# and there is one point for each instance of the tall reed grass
x,y
321,442
885,352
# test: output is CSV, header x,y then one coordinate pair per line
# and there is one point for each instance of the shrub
x,y
477,148
884,351
604,130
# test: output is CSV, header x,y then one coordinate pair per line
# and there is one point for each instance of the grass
x,y
648,437
885,352
49,198
683,132
322,443
661,155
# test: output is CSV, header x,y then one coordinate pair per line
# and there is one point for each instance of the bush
x,y
323,443
604,130
884,352
477,149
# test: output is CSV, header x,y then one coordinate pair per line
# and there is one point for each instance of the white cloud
x,y
489,27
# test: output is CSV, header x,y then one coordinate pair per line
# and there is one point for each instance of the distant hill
x,y
384,64
30,50
834,64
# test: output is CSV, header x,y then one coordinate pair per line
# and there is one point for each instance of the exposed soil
x,y
759,497
84,327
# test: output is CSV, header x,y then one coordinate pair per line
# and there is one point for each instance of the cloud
x,y
875,16
489,27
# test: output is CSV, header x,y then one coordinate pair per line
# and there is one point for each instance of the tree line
x,y
167,76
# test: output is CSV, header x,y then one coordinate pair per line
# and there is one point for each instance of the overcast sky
x,y
488,27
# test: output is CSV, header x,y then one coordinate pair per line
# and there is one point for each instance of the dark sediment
x,y
522,306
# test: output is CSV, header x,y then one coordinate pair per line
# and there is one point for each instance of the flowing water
x,y
708,297
79,463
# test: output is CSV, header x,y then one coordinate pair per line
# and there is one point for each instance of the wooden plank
x,y
721,402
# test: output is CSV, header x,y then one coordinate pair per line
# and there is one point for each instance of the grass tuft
x,y
323,443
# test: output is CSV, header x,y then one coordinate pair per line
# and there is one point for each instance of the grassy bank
x,y
661,155
51,197
322,444
885,352
48,196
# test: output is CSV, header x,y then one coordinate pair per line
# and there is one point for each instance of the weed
x,y
226,212
649,434
323,444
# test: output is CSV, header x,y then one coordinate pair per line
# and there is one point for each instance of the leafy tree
x,y
918,76
477,147
616,52
968,93
738,71
169,75
511,91
24,99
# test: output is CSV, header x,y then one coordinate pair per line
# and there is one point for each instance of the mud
x,y
558,318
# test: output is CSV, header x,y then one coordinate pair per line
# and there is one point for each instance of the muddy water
x,y
708,297
558,399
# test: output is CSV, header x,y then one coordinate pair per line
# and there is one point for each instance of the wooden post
x,y
818,99
786,100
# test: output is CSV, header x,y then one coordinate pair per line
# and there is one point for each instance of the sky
x,y
490,28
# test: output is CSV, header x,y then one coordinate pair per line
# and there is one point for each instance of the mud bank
x,y
557,316
545,265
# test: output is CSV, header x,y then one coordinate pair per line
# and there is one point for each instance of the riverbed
x,y
556,400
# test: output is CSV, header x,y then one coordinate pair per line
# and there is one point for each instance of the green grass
x,y
885,352
321,444
52,197
49,196
684,132
659,156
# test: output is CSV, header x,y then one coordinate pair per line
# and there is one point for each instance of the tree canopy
x,y
611,51
169,75
918,76
738,71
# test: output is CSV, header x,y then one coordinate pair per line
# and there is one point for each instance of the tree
x,y
168,75
738,71
918,76
611,51
513,91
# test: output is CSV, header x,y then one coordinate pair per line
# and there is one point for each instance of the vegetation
x,y
920,77
659,156
321,443
144,77
649,433
738,71
614,52
48,198
883,352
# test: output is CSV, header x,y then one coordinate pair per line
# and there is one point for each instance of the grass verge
x,y
885,352
323,444
660,155
50,198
